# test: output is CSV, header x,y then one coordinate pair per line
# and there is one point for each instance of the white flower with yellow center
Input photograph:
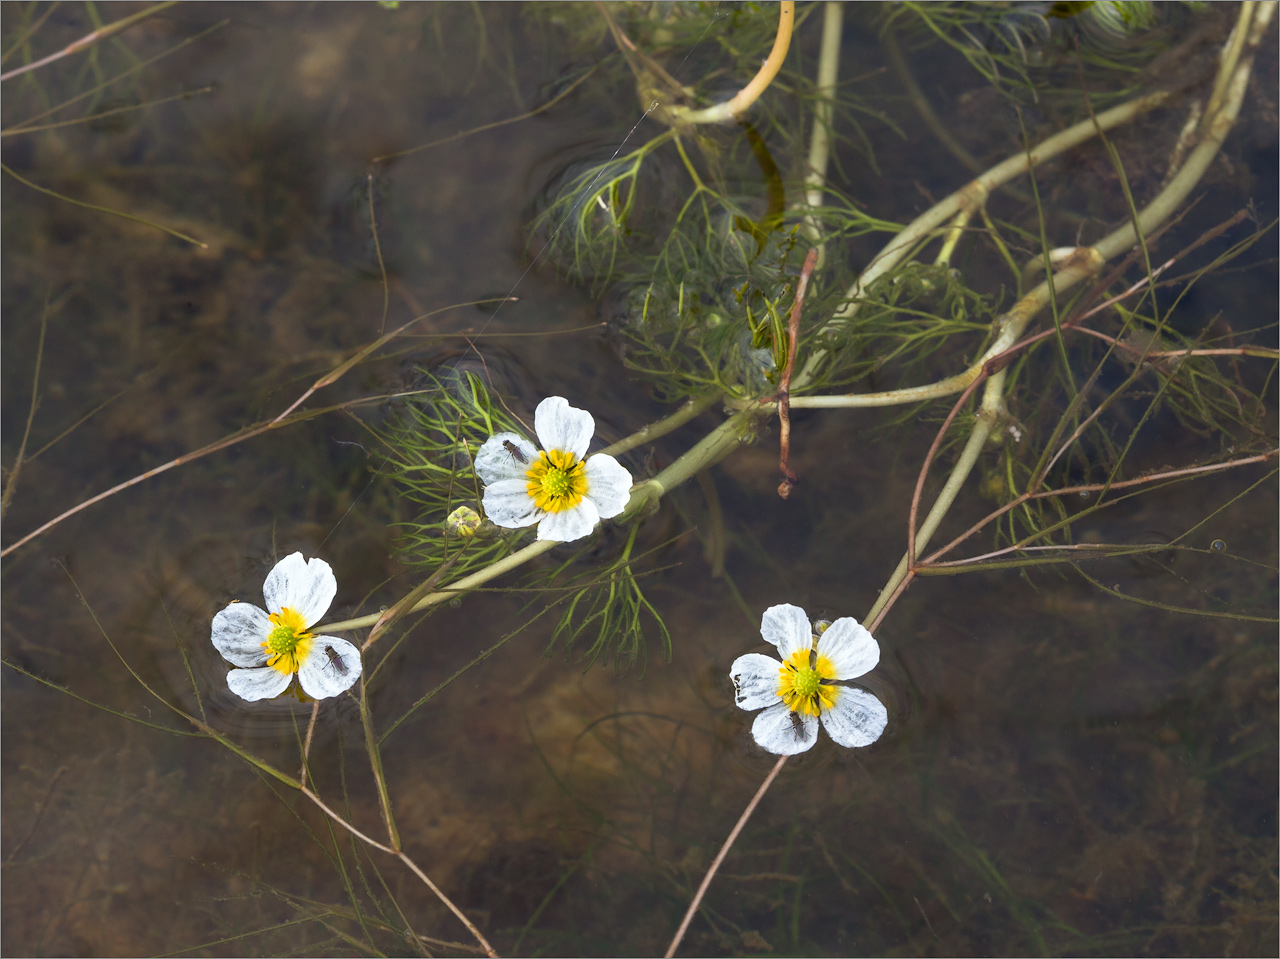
x,y
558,487
271,648
801,689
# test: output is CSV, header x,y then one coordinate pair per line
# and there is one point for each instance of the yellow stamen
x,y
801,686
289,643
558,481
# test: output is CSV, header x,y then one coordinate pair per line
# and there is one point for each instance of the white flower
x,y
558,487
798,691
271,648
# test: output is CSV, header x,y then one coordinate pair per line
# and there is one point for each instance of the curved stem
x,y
742,100
105,209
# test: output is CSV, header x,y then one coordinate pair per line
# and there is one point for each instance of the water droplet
x,y
1085,494
1218,545
455,603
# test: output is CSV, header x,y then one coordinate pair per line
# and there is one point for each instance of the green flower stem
x,y
455,589
972,196
714,447
688,411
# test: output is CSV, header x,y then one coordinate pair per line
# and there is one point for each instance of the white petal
x,y
755,677
608,484
857,718
320,677
776,731
852,650
305,587
238,632
569,524
255,684
494,461
787,627
508,503
563,427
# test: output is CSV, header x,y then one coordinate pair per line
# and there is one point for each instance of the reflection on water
x,y
1063,771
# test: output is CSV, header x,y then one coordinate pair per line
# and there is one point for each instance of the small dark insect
x,y
335,660
797,725
515,451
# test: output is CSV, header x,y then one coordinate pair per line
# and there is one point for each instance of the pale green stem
x,y
1215,128
688,411
953,237
820,142
712,448
1230,56
453,590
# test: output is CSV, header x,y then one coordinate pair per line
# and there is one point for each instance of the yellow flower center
x,y
558,481
289,643
800,684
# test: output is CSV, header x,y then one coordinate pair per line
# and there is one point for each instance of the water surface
x,y
1064,771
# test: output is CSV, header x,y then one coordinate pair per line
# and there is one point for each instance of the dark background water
x,y
1063,772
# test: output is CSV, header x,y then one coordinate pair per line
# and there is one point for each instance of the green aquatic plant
x,y
741,287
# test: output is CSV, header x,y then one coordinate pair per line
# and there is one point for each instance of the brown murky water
x,y
1064,772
